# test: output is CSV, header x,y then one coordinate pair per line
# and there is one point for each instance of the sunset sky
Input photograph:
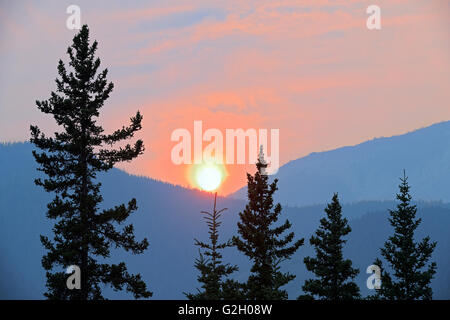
x,y
311,69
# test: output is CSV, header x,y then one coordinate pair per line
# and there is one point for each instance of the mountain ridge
x,y
424,153
169,216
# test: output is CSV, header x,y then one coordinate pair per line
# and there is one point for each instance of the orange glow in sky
x,y
311,69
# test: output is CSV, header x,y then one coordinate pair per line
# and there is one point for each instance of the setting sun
x,y
209,177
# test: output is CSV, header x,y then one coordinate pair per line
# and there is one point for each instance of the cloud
x,y
308,68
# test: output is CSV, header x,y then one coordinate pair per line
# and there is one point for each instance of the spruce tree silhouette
x,y
334,274
71,160
213,272
262,242
411,276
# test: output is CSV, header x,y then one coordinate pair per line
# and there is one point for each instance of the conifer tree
x,y
261,241
213,272
334,274
84,234
411,274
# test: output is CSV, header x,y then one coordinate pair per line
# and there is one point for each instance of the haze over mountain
x,y
370,170
169,217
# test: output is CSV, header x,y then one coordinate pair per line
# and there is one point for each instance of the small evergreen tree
x,y
334,273
263,243
408,260
71,161
213,272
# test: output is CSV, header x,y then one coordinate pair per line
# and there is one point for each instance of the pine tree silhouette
x,y
411,276
213,272
264,245
334,274
71,160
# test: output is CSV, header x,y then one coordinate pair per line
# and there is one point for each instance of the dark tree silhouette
x,y
213,272
71,160
262,242
334,274
408,260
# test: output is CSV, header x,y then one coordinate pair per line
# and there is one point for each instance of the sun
x,y
209,177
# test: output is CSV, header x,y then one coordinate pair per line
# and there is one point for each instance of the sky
x,y
311,69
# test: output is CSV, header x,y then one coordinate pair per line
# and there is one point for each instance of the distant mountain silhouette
x,y
169,216
370,170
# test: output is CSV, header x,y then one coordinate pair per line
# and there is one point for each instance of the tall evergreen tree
x,y
334,274
71,160
407,259
261,241
213,272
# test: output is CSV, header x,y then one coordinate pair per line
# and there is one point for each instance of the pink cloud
x,y
309,68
